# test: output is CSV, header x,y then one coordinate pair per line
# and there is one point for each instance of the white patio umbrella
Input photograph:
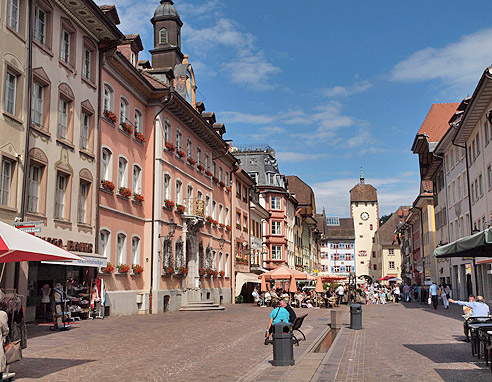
x,y
16,246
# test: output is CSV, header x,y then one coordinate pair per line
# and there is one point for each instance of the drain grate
x,y
396,376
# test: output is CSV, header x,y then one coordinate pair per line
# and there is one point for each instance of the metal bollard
x,y
356,316
283,344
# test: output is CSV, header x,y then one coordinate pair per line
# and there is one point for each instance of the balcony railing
x,y
194,207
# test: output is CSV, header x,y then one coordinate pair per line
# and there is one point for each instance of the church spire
x,y
362,181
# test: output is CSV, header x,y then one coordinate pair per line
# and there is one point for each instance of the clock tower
x,y
365,212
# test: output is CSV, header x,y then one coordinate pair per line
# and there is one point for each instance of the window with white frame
x,y
106,164
214,168
35,173
221,214
227,217
163,36
104,236
214,208
198,155
167,132
137,121
40,24
391,252
221,259
122,172
66,40
108,98
84,131
179,192
13,19
189,148
63,118
6,181
207,205
275,202
226,270
60,195
135,250
179,140
82,207
221,174
124,110
276,228
120,249
167,187
189,199
137,179
391,265
87,63
37,113
276,252
11,92
206,162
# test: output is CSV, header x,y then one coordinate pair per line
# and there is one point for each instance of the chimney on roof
x,y
362,181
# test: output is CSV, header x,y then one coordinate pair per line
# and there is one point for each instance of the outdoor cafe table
x,y
474,338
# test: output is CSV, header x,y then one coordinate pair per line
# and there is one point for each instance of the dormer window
x,y
163,36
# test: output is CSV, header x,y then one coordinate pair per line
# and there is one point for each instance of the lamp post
x,y
221,241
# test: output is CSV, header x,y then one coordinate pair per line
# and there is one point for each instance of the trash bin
x,y
283,344
356,316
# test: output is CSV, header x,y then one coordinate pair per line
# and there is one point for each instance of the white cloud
x,y
238,117
294,157
208,8
267,131
340,91
459,64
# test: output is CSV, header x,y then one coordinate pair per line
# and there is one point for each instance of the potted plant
x,y
222,184
181,209
221,273
245,229
137,269
139,137
168,204
180,153
202,271
191,161
138,198
200,167
238,226
229,189
229,228
107,185
216,180
125,192
168,270
210,272
221,225
208,173
109,268
126,127
170,147
109,115
182,271
123,268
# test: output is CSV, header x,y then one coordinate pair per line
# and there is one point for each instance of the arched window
x,y
226,270
104,243
108,98
106,160
135,250
138,121
137,179
167,132
221,214
179,190
120,249
220,267
124,110
189,148
163,36
122,172
221,174
167,187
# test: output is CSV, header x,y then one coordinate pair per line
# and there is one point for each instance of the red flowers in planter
x,y
126,127
222,184
200,167
209,220
123,268
245,229
191,161
222,273
181,209
137,269
229,189
139,137
216,180
169,204
168,270
170,146
180,153
202,271
210,272
125,192
107,185
208,173
228,227
238,226
109,268
138,198
183,271
110,115
222,225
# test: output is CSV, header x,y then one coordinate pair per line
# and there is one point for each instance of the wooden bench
x,y
296,326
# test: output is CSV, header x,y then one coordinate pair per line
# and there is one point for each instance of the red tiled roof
x,y
436,123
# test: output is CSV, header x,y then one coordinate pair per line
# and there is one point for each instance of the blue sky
x,y
331,86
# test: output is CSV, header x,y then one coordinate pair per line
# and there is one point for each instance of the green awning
x,y
476,245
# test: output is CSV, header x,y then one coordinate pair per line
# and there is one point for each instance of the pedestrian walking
x,y
444,296
434,290
406,292
340,292
396,294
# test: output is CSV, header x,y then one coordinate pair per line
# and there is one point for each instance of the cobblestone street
x,y
406,342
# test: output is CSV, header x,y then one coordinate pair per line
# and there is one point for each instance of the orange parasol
x,y
263,284
284,273
319,285
293,286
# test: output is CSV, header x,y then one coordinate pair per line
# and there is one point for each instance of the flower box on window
x,y
229,189
216,180
191,161
137,269
202,271
200,167
110,115
109,268
168,204
221,273
170,147
238,226
139,137
229,228
168,270
210,272
238,194
222,225
180,153
123,268
181,209
183,271
125,192
107,185
138,198
222,184
209,220
208,173
126,127
245,229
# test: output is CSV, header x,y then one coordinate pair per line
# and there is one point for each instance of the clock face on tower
x,y
364,216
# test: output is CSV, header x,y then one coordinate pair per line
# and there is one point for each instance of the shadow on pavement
x,y
450,375
34,331
40,367
454,311
443,353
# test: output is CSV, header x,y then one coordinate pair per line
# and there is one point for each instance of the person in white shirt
x,y
340,292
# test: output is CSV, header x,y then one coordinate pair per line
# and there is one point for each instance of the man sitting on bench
x,y
479,310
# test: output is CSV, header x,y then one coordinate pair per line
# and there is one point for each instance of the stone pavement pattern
x,y
182,346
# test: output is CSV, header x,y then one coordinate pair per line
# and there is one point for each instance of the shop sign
x,y
72,246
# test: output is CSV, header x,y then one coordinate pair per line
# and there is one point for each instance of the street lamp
x,y
171,225
221,241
